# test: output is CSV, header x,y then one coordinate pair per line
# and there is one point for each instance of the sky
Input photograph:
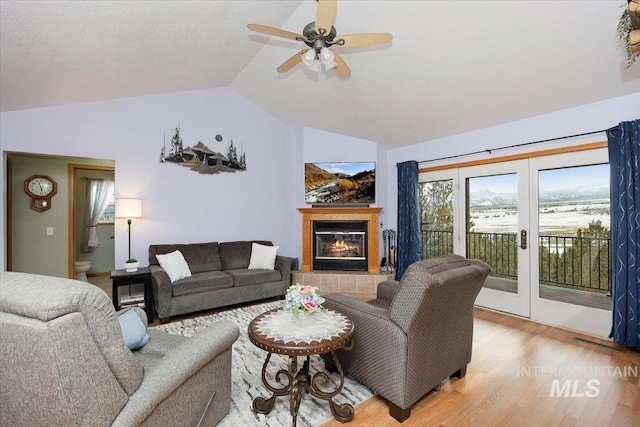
x,y
349,168
548,180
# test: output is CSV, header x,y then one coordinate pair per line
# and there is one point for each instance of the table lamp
x,y
129,208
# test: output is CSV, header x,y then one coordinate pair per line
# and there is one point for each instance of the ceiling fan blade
x,y
272,31
341,68
291,62
365,39
326,14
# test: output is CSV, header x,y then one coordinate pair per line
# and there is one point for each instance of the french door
x,y
543,226
495,226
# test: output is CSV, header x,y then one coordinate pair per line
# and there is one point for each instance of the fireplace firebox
x,y
340,245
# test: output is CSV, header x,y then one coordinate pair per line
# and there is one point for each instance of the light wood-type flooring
x,y
509,381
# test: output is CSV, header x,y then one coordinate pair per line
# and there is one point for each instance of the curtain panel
x,y
98,195
409,238
624,158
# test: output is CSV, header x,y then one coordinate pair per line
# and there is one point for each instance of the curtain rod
x,y
515,145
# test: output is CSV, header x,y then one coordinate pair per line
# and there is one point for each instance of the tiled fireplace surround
x,y
358,284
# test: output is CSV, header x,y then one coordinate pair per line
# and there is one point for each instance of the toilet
x,y
81,268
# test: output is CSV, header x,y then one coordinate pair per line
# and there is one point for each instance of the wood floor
x,y
510,378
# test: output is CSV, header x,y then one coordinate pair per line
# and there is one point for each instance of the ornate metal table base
x,y
277,331
297,384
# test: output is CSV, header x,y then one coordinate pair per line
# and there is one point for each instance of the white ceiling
x,y
453,66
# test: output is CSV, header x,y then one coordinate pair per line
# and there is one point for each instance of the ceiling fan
x,y
319,36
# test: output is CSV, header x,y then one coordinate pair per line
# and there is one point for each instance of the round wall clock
x,y
40,188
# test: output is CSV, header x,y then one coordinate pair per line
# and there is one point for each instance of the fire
x,y
342,248
341,245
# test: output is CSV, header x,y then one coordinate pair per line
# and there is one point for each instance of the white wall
x,y
587,118
179,205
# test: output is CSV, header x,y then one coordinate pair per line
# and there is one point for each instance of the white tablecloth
x,y
306,328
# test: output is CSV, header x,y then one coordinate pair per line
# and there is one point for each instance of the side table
x,y
281,332
140,277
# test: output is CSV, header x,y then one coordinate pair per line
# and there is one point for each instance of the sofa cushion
x,y
201,282
245,277
263,257
234,255
199,256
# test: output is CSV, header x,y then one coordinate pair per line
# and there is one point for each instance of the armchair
x,y
63,362
416,333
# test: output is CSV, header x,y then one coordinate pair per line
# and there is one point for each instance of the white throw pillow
x,y
174,265
262,257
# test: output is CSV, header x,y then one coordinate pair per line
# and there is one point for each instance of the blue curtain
x,y
624,156
409,245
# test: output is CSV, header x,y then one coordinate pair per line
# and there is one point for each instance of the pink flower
x,y
306,290
311,306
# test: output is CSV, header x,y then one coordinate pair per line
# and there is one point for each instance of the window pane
x,y
109,214
574,224
492,227
436,213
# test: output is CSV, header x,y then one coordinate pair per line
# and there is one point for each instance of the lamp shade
x,y
309,57
326,56
128,208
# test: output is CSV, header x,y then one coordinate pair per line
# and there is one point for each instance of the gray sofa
x,y
220,277
63,362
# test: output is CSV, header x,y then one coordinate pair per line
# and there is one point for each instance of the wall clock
x,y
40,189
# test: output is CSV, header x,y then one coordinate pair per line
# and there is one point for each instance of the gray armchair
x,y
63,362
417,333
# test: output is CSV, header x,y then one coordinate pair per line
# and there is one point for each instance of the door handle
x,y
523,239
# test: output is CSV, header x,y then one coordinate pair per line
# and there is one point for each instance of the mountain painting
x,y
340,182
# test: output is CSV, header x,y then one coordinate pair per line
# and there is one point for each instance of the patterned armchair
x,y
417,333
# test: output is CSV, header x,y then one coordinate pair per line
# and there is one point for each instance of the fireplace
x,y
365,215
340,245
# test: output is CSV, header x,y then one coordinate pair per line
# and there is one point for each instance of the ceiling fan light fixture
x,y
319,36
326,56
315,66
309,57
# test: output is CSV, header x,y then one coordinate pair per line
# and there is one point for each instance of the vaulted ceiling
x,y
452,67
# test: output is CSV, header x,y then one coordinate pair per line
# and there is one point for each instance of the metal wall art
x,y
201,159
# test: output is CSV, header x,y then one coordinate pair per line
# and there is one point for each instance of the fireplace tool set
x,y
388,262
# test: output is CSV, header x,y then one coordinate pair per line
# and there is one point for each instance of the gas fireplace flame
x,y
342,248
341,245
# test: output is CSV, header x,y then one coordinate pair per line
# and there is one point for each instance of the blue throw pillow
x,y
133,330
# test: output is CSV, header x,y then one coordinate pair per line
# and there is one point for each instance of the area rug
x,y
246,375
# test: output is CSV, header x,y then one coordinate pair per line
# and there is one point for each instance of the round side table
x,y
281,332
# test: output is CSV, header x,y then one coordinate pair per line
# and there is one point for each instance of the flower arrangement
x,y
302,299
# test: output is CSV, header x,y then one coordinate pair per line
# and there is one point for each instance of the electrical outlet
x,y
49,231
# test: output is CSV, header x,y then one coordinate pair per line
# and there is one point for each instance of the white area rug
x,y
246,375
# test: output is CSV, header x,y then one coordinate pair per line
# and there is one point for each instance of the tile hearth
x,y
357,284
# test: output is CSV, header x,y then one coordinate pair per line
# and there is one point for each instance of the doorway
x,y
102,257
42,242
542,223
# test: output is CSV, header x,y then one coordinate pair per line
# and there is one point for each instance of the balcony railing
x,y
565,261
